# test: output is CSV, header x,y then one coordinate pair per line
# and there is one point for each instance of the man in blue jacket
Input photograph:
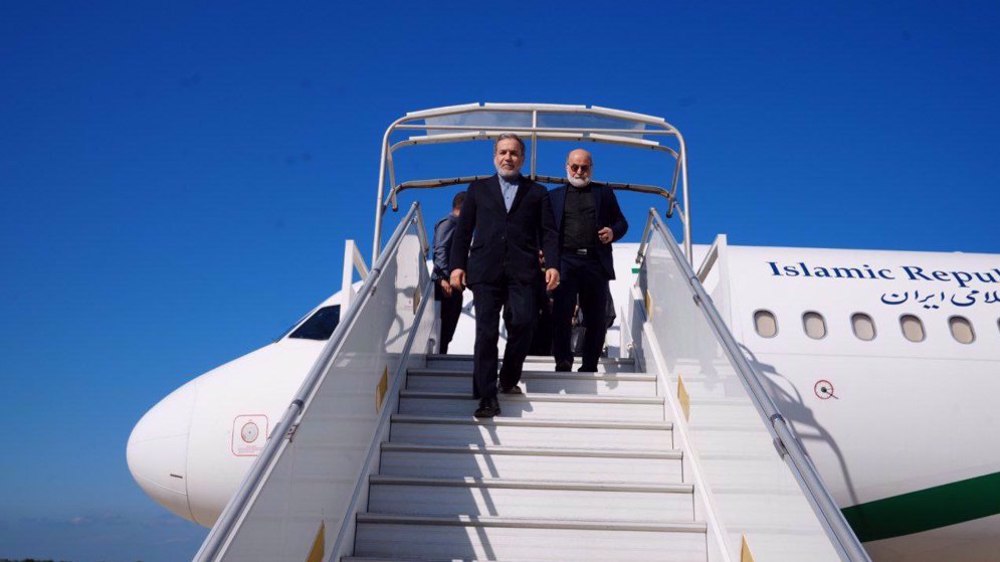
x,y
588,219
494,250
450,299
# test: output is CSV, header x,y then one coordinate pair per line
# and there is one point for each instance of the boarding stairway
x,y
672,453
581,466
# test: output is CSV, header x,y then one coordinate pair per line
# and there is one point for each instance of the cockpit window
x,y
864,326
913,328
765,323
814,325
320,325
961,329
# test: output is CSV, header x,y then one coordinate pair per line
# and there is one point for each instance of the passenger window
x,y
863,326
913,328
320,325
765,323
961,329
814,325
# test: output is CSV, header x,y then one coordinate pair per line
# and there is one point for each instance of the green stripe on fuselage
x,y
928,509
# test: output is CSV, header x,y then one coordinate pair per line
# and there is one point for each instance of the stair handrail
x,y
392,202
241,501
844,540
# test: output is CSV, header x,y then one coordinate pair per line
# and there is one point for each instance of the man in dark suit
x,y
589,220
503,220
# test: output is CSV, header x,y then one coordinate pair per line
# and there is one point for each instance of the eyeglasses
x,y
580,167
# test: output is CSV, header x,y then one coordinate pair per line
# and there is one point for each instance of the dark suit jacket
x,y
443,231
505,244
608,214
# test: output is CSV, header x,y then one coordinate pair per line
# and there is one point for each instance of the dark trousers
x,y
541,340
489,299
580,277
451,309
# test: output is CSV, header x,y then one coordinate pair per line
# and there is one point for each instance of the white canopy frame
x,y
580,123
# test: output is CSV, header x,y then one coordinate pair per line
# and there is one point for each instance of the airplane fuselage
x,y
887,363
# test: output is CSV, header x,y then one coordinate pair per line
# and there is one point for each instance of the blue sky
x,y
176,182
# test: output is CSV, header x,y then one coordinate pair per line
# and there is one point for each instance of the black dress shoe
x,y
564,366
512,390
488,407
588,369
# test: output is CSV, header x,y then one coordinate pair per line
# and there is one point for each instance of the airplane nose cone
x,y
157,450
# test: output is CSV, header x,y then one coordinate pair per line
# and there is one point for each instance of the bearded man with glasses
x,y
588,219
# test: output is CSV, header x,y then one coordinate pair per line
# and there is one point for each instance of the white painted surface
x,y
313,480
520,432
443,539
682,345
538,406
613,384
527,498
894,398
540,463
556,477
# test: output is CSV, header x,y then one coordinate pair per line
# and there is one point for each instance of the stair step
x,y
396,559
617,384
647,435
532,363
531,498
580,467
534,463
537,406
410,559
535,539
532,358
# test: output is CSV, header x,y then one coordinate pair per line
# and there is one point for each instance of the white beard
x,y
578,182
507,175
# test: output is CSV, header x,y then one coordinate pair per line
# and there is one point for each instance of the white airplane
x,y
886,363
